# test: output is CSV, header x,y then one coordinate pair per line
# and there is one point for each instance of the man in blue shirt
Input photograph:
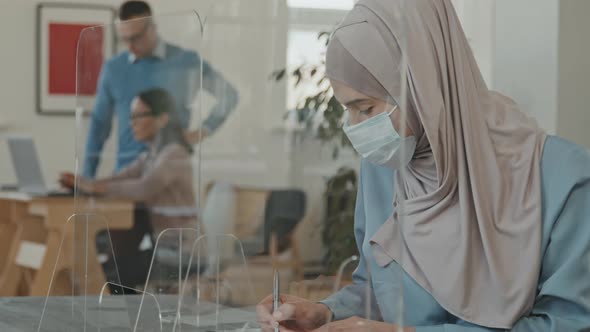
x,y
150,62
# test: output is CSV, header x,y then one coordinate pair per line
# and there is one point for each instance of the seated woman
x,y
469,217
161,180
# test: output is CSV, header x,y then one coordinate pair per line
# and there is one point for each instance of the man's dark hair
x,y
134,9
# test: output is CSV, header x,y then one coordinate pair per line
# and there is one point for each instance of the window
x,y
307,18
304,49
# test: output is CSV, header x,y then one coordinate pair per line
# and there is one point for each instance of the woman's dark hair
x,y
134,9
160,101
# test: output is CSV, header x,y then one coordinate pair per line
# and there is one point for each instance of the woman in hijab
x,y
488,227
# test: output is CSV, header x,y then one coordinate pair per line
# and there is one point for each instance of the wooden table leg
x,y
16,227
52,269
11,274
76,270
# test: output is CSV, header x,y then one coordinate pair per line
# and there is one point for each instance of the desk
x,y
117,313
44,220
23,314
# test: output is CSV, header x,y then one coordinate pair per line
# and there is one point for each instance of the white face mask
x,y
377,141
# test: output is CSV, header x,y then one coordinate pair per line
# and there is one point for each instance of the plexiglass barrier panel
x,y
269,174
137,143
79,276
171,264
221,298
155,52
293,199
137,159
126,309
273,187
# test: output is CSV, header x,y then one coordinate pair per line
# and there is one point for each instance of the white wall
x,y
541,60
478,23
573,117
526,56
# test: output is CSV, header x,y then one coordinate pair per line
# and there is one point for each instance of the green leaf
x,y
278,75
298,75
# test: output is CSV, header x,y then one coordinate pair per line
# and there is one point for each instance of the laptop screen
x,y
26,164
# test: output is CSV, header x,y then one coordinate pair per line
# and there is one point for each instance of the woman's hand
x,y
294,314
68,180
357,324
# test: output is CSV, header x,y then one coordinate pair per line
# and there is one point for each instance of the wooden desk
x,y
70,258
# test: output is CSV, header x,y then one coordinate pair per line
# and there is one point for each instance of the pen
x,y
275,294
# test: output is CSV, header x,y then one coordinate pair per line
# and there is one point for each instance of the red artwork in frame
x,y
73,41
63,43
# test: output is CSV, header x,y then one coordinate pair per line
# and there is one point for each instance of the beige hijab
x,y
471,196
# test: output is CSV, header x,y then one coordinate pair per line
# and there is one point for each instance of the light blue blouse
x,y
563,294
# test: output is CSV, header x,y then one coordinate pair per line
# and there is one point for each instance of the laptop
x,y
28,170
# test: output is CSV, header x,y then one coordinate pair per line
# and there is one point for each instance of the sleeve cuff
x,y
339,311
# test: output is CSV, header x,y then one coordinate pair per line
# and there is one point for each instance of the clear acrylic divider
x,y
272,167
121,308
169,48
78,276
130,187
221,297
290,195
345,271
402,95
170,266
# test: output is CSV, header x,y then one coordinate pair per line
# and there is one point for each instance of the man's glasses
x,y
136,37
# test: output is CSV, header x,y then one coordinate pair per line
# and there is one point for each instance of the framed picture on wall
x,y
73,41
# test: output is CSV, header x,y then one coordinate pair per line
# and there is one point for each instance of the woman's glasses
x,y
136,116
